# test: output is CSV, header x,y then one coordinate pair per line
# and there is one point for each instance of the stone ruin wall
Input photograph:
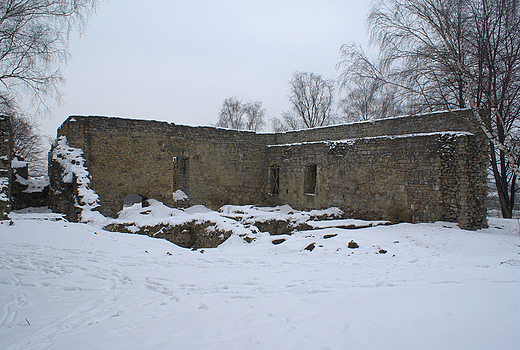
x,y
13,192
154,159
411,179
424,123
5,166
427,176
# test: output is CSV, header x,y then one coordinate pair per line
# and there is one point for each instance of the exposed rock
x,y
330,235
310,247
353,244
249,239
281,227
278,241
382,251
28,191
192,234
62,192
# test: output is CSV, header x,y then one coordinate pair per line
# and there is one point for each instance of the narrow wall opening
x,y
309,179
274,179
180,173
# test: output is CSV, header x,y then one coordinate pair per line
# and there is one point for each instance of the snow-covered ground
x,y
74,286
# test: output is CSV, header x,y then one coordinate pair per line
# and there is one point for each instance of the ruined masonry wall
x,y
154,159
460,120
5,168
412,179
426,175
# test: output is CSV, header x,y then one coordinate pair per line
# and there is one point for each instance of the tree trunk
x,y
506,203
507,210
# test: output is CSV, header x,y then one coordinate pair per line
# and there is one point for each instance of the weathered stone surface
x,y
352,245
310,247
278,241
249,239
281,227
154,159
21,197
419,178
419,173
192,234
62,195
5,166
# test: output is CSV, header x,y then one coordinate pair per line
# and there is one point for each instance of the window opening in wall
x,y
309,181
180,172
274,179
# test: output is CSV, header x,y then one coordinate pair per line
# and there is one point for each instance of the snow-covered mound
x,y
34,184
195,227
200,227
74,286
251,214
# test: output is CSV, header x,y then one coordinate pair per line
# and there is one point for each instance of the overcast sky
x,y
178,60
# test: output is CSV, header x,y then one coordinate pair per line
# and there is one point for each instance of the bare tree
x,y
497,41
277,125
368,99
241,116
289,121
311,99
231,114
254,116
28,143
445,54
33,44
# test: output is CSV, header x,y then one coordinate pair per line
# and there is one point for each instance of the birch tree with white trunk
x,y
447,54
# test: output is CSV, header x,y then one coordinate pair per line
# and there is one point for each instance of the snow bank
x,y
34,184
73,286
253,214
237,219
347,223
158,213
197,226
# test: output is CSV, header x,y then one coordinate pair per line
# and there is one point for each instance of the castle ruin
x,y
419,168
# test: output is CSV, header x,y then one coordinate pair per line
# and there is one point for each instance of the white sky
x,y
178,60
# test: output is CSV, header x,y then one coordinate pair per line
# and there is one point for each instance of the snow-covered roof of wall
x,y
390,137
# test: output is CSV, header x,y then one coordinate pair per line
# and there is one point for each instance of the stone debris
x,y
353,244
310,247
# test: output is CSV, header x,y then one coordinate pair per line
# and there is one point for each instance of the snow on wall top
x,y
389,137
34,184
462,111
372,121
73,163
17,163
